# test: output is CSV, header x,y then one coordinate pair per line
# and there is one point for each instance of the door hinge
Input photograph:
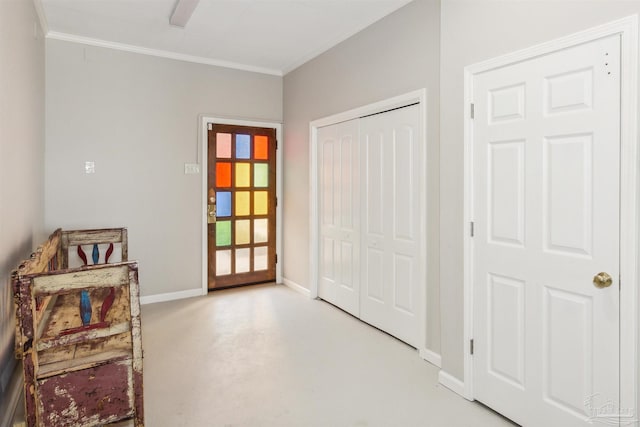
x,y
276,144
472,110
471,346
210,126
276,201
276,258
472,230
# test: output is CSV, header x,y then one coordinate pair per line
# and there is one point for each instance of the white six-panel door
x,y
546,156
339,268
371,221
391,221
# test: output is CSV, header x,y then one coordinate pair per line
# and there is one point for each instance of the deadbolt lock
x,y
602,280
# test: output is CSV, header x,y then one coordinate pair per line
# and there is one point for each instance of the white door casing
x,y
339,268
391,227
546,214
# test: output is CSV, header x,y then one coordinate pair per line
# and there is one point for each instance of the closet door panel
x,y
392,194
339,269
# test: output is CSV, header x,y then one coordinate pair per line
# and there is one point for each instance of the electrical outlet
x,y
191,168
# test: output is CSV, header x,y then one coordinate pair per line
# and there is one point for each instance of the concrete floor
x,y
268,356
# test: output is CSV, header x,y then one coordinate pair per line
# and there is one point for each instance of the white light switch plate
x,y
191,168
89,167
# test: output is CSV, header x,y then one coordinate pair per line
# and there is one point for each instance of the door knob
x,y
602,280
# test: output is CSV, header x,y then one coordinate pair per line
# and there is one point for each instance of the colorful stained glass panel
x,y
223,203
261,175
243,174
260,203
223,145
243,202
243,260
223,174
243,232
260,230
260,258
261,147
243,146
223,233
223,262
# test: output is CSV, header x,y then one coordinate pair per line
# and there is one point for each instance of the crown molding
x,y
54,35
42,17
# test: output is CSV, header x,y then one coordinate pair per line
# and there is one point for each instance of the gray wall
x,y
473,31
136,117
21,159
396,55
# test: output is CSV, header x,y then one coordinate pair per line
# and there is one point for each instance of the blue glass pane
x,y
243,146
223,203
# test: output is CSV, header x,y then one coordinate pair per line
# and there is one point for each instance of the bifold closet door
x,y
392,191
338,176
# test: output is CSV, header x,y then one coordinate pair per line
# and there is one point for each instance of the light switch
x,y
89,167
191,168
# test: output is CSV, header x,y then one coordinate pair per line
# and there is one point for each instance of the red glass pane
x,y
223,174
261,147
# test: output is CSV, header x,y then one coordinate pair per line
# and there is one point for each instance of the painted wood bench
x,y
78,332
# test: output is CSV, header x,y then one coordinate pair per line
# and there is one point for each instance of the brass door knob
x,y
602,280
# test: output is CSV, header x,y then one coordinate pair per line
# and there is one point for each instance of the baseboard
x,y
296,287
171,296
9,403
451,382
431,357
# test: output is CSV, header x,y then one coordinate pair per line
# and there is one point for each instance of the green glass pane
x,y
243,173
223,233
261,175
243,201
243,232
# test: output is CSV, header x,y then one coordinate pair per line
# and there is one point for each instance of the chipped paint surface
x,y
86,397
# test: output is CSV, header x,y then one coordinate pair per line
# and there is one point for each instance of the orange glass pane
x,y
243,174
243,201
260,203
260,147
223,145
223,174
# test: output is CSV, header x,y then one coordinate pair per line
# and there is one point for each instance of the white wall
x,y
136,117
473,31
396,55
21,159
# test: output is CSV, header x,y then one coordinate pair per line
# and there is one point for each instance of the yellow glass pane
x,y
260,203
243,174
243,232
243,202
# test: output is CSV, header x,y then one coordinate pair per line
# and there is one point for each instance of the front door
x,y
241,205
546,180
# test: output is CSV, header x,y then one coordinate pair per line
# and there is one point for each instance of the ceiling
x,y
268,36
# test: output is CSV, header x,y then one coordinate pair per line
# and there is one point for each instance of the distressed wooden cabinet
x,y
79,333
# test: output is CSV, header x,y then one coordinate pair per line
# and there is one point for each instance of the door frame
x,y
204,148
415,97
627,28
